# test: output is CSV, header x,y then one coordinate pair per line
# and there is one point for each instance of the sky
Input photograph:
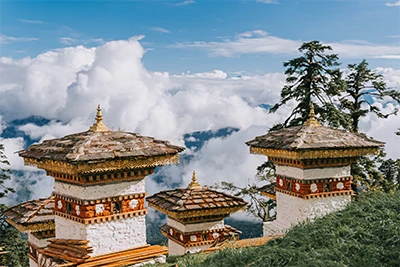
x,y
197,36
168,68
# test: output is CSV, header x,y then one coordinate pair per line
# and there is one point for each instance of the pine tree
x,y
10,238
363,86
314,78
4,173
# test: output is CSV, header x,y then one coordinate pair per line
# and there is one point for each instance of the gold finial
x,y
98,126
194,184
312,121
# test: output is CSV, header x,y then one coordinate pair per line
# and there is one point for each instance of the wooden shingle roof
x,y
99,146
313,137
312,141
195,201
99,150
32,216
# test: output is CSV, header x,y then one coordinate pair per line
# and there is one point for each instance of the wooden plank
x,y
127,257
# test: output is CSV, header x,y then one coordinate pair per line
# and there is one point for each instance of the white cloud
x,y
393,4
67,84
259,42
5,39
159,29
31,21
185,3
75,41
265,1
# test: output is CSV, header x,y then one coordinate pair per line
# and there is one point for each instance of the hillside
x,y
366,233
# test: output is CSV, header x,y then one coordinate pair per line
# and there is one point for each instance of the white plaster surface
x,y
41,243
32,263
291,210
160,259
175,249
317,173
105,237
100,191
193,227
67,229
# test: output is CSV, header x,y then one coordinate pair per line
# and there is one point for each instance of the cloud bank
x,y
260,42
66,85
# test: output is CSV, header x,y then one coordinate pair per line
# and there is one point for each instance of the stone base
x,y
160,259
105,237
32,263
175,249
292,210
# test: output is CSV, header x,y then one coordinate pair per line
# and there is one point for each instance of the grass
x,y
366,233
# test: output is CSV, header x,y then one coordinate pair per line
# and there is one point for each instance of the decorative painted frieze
x,y
190,239
79,210
101,178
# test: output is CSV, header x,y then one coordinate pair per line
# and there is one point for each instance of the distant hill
x,y
366,233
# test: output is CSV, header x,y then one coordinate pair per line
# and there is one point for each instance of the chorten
x,y
99,188
312,169
34,218
195,217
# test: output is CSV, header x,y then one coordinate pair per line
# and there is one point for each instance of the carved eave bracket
x,y
314,154
105,166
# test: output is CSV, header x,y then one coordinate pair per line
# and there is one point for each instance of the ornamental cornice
x,y
36,227
317,195
101,219
103,166
100,200
317,180
314,154
196,213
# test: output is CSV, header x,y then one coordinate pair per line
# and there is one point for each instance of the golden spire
x,y
98,126
194,184
312,121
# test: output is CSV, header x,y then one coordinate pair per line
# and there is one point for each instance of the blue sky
x,y
189,35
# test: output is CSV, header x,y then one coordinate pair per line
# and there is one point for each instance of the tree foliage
x,y
362,87
10,238
4,173
259,206
314,77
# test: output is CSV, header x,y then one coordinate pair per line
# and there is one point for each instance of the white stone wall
x,y
32,263
68,229
100,191
160,259
317,173
105,237
193,227
174,249
291,210
41,243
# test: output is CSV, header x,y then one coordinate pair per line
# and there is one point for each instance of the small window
x,y
117,207
288,186
68,208
327,187
204,237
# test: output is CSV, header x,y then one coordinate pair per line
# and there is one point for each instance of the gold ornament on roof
x,y
312,121
194,184
98,126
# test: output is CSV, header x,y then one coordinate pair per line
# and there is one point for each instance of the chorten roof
x,y
194,201
313,136
32,216
99,144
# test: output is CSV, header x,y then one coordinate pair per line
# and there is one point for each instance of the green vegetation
x,y
10,238
366,233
